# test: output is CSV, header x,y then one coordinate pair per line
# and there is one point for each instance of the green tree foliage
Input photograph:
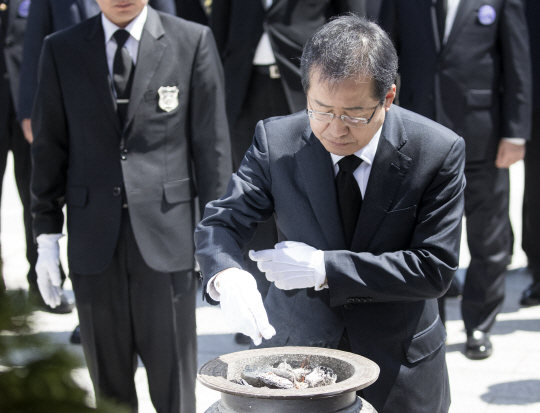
x,y
35,374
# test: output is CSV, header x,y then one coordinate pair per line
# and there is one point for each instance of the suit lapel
x,y
151,51
464,9
387,173
317,175
98,70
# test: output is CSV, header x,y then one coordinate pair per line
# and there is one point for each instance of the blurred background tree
x,y
35,375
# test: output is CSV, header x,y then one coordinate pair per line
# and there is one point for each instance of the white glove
x,y
242,304
292,265
47,269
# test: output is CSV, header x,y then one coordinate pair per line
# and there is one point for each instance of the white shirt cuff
x,y
515,141
211,289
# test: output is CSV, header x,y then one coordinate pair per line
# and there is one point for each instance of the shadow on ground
x,y
520,392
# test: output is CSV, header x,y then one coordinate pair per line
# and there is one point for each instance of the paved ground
x,y
509,381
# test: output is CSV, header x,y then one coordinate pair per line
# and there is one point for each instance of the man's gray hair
x,y
349,47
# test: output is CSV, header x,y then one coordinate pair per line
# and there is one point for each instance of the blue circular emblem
x,y
24,8
486,15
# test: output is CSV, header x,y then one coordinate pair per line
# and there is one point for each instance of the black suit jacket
x,y
403,256
479,83
82,158
238,27
47,17
191,10
12,30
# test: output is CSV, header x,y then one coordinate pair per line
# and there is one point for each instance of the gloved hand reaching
x,y
47,268
242,304
292,265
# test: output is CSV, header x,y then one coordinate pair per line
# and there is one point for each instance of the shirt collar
x,y
367,153
135,27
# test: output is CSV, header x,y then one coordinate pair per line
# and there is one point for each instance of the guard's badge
x,y
168,98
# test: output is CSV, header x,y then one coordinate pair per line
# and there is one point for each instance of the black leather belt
x,y
271,71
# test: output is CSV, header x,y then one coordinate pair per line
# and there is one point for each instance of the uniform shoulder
x,y
80,30
177,23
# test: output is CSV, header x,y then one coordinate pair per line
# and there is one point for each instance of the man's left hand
x,y
508,154
291,265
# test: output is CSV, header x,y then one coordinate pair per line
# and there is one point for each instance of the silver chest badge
x,y
168,98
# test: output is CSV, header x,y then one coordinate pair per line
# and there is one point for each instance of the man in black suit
x,y
368,200
130,126
531,196
46,17
260,43
13,24
466,65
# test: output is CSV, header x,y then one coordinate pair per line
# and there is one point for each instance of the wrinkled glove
x,y
47,269
292,265
242,304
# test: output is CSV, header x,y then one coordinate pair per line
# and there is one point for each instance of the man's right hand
x,y
47,268
26,126
242,304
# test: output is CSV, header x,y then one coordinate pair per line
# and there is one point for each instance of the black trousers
x,y
131,310
12,139
490,240
531,199
265,99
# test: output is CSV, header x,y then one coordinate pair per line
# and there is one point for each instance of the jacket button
x,y
124,150
123,157
117,191
348,306
8,43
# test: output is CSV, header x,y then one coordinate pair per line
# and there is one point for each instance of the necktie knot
x,y
349,163
121,37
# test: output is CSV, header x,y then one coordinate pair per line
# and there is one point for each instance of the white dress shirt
x,y
367,154
134,28
264,54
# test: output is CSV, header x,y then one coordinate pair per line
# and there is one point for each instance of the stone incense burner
x,y
353,372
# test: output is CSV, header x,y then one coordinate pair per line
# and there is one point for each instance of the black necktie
x,y
441,8
122,73
349,195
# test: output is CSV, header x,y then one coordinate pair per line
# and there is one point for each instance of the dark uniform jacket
x,y
159,162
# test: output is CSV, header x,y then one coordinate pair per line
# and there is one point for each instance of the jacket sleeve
x,y
230,222
389,21
426,268
49,149
39,26
516,112
211,151
219,23
166,6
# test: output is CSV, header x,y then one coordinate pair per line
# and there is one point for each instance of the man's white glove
x,y
242,304
292,265
47,269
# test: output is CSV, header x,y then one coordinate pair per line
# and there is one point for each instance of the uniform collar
x,y
135,27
